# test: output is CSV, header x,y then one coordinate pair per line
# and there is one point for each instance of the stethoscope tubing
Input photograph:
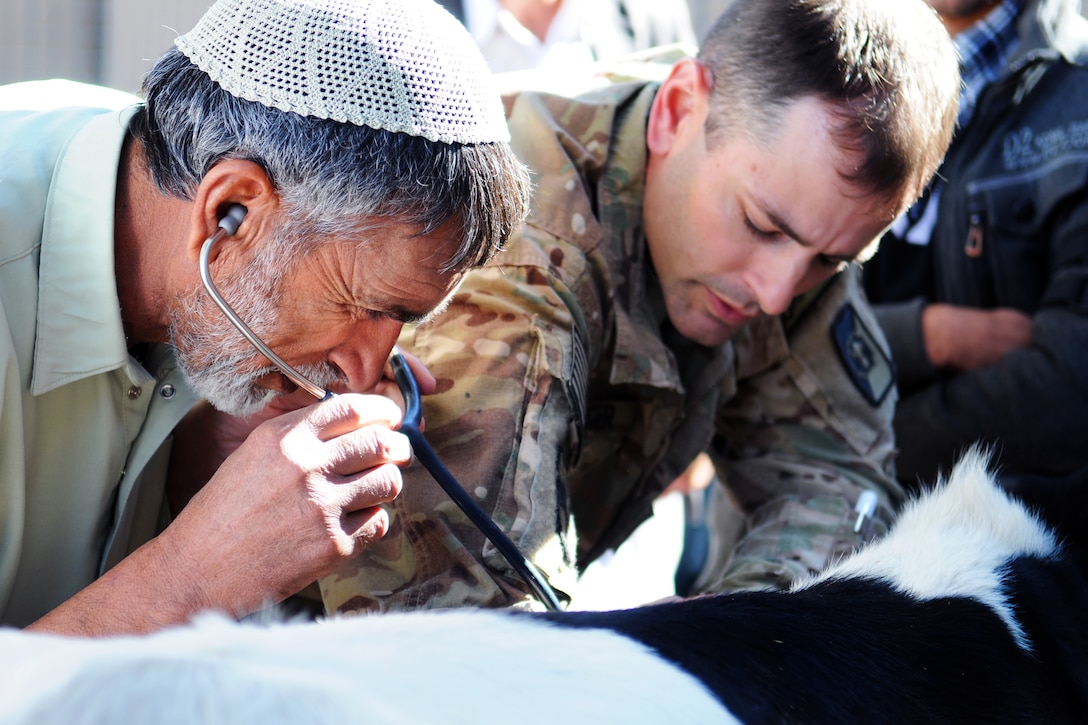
x,y
426,455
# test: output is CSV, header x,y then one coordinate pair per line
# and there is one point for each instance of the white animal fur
x,y
473,666
440,667
954,542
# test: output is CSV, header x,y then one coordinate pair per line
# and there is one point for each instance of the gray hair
x,y
334,178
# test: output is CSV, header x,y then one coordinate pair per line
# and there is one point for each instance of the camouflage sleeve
x,y
500,421
807,431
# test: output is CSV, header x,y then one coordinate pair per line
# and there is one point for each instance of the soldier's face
x,y
334,315
741,228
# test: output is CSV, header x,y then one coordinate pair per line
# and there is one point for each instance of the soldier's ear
x,y
679,109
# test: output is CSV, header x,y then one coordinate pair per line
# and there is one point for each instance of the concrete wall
x,y
114,42
139,31
703,14
49,38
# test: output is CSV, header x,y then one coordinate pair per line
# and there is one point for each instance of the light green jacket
x,y
82,423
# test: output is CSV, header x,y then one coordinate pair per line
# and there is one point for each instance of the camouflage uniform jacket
x,y
566,402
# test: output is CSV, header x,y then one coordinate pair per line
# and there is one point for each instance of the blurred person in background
x,y
982,287
567,36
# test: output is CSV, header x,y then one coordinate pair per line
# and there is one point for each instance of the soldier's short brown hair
x,y
887,66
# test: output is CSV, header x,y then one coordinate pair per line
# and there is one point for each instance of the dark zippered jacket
x,y
1011,231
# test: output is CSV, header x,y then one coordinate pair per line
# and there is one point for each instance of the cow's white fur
x,y
475,666
954,541
440,667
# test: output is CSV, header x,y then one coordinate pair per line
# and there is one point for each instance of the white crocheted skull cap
x,y
405,66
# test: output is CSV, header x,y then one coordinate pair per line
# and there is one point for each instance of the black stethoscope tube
x,y
425,454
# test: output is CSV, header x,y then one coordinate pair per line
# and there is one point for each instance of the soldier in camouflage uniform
x,y
580,373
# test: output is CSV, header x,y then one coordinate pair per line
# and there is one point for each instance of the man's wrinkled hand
x,y
300,495
206,436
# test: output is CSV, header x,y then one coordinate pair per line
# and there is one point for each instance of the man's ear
x,y
680,107
232,181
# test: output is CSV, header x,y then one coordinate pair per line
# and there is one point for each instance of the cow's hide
x,y
971,610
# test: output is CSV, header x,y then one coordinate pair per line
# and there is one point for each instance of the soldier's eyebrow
x,y
778,221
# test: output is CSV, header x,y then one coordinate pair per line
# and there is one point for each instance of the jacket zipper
x,y
975,236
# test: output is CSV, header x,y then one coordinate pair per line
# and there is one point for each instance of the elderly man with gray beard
x,y
335,168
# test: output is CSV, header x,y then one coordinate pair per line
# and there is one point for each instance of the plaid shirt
x,y
984,50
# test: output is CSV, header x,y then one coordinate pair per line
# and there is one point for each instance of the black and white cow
x,y
971,610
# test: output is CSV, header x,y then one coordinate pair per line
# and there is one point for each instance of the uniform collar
x,y
80,332
646,345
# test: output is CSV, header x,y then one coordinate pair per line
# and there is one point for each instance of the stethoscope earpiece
x,y
230,222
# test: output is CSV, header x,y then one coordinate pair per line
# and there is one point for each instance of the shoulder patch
x,y
871,370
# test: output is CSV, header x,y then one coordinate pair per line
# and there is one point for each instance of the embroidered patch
x,y
871,370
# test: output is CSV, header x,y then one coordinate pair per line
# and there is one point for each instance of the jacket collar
x,y
80,332
1049,27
